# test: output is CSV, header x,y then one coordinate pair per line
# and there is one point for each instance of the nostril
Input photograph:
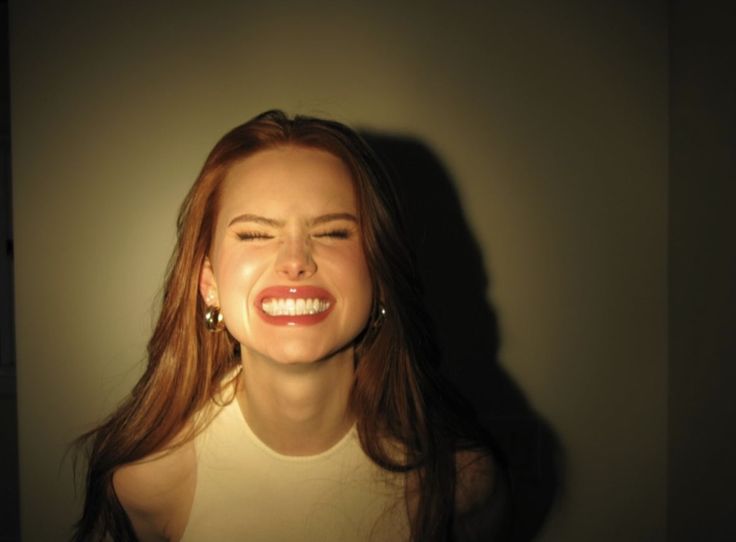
x,y
295,260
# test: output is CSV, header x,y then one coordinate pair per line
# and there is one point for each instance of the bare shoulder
x,y
157,492
481,497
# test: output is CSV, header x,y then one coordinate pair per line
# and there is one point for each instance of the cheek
x,y
358,284
236,280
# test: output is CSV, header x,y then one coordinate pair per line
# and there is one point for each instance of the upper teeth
x,y
294,307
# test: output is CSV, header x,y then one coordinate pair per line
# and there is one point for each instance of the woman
x,y
291,389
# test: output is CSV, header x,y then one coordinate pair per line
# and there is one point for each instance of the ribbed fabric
x,y
248,492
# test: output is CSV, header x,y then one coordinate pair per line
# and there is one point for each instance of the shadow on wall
x,y
455,286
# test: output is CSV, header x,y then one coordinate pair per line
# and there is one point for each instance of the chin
x,y
300,352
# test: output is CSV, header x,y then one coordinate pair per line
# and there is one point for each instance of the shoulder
x,y
157,492
481,497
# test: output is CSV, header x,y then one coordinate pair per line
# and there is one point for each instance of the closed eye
x,y
253,236
335,234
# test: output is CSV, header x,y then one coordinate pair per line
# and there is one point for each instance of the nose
x,y
295,260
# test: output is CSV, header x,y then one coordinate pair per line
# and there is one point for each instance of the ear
x,y
208,285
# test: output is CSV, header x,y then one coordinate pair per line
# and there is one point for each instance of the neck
x,y
297,409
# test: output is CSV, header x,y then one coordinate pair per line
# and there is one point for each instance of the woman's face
x,y
286,265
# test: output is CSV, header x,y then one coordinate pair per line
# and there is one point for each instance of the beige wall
x,y
551,121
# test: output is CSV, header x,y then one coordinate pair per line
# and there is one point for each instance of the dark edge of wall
x,y
9,487
702,272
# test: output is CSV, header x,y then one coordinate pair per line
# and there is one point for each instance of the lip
x,y
294,292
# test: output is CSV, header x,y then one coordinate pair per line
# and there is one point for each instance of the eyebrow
x,y
257,219
322,219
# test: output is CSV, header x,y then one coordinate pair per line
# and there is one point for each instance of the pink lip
x,y
295,292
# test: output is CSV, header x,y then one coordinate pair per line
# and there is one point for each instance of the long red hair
x,y
397,397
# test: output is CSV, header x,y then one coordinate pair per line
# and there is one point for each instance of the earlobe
x,y
208,285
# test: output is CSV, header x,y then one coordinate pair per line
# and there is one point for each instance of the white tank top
x,y
247,492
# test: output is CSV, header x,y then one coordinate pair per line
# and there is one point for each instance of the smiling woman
x,y
259,267
291,391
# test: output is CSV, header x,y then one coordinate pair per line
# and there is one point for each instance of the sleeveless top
x,y
246,491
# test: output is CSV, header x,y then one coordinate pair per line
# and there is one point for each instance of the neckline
x,y
349,435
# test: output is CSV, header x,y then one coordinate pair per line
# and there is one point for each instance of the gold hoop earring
x,y
379,316
213,319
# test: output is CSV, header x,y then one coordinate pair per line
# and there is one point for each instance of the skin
x,y
296,381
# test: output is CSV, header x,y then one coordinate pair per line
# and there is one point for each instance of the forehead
x,y
288,179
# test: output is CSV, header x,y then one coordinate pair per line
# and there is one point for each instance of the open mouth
x,y
294,305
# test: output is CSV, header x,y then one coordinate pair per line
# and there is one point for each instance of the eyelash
x,y
336,234
256,236
252,236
